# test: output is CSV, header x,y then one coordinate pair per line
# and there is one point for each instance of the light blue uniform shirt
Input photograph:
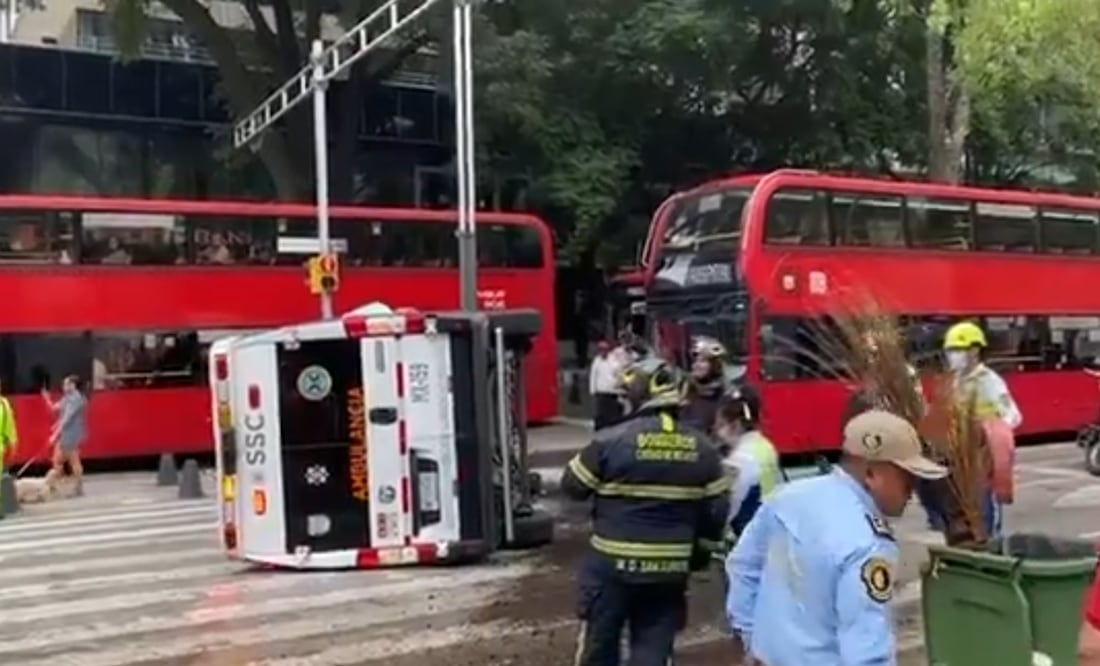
x,y
811,578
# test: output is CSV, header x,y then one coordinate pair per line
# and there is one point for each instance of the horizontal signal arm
x,y
382,24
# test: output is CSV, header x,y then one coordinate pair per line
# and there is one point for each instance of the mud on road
x,y
535,622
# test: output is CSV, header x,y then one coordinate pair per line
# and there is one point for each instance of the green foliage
x,y
128,22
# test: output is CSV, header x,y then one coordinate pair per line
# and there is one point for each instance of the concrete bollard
x,y
167,475
190,480
9,496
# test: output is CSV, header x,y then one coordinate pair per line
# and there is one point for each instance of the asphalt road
x,y
131,576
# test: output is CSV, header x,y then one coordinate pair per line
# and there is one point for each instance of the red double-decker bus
x,y
760,261
128,294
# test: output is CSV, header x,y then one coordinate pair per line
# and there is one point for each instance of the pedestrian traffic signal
x,y
324,274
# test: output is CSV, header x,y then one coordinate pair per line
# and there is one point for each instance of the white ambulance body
x,y
337,447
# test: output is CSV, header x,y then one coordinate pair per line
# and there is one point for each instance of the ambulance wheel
x,y
1092,458
531,531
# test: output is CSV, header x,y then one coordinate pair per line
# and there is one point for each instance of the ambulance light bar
x,y
374,326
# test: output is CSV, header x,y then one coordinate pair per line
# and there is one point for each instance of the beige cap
x,y
880,436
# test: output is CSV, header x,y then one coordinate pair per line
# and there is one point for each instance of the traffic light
x,y
324,274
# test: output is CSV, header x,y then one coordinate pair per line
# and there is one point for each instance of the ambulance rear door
x,y
321,400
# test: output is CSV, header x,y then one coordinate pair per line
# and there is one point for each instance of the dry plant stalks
x,y
954,432
867,348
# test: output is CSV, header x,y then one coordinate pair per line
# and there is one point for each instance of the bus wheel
x,y
532,530
1092,458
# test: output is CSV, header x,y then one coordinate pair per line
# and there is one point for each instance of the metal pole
x,y
320,156
464,155
505,437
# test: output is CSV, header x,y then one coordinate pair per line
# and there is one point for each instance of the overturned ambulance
x,y
381,438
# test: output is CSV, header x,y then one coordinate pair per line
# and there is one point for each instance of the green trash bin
x,y
1004,607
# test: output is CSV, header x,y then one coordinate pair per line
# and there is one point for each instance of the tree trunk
x,y
948,112
243,94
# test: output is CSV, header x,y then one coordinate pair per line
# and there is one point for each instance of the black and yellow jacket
x,y
660,496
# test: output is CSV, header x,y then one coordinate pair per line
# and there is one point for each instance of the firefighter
x,y
963,346
707,384
750,457
660,502
812,576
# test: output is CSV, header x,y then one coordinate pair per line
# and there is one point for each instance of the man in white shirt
x,y
603,384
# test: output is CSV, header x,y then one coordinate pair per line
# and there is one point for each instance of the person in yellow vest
x,y
963,346
9,436
750,457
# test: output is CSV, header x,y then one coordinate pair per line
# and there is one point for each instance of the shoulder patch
x,y
880,527
877,579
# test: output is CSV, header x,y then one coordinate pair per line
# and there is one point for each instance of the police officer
x,y
660,502
812,576
750,457
707,383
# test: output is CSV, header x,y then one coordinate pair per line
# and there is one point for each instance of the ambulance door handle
x,y
383,416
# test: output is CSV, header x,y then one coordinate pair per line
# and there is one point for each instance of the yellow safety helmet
x,y
964,335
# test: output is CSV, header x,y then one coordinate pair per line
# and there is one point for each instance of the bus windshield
x,y
699,245
706,220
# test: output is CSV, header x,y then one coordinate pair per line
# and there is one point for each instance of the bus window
x,y
1075,341
1066,231
30,362
802,348
797,217
939,224
709,220
1005,228
133,238
1016,343
232,240
137,360
867,220
524,246
36,236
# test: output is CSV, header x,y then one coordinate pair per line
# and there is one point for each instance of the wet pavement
x,y
130,575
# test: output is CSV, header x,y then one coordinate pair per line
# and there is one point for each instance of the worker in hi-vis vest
x,y
963,346
9,436
750,457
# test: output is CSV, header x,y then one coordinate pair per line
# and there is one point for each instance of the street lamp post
x,y
465,169
327,63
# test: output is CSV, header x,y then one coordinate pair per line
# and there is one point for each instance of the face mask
x,y
957,360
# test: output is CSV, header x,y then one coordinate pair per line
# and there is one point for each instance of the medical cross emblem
x,y
314,383
316,475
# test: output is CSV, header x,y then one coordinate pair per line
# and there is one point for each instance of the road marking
x,y
53,544
19,528
467,590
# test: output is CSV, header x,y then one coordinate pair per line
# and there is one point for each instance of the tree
x,y
253,62
612,101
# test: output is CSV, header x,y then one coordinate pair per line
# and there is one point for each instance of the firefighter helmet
x,y
651,382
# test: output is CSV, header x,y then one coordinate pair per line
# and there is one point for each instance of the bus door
x,y
411,475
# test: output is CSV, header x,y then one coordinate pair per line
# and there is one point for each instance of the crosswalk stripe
x,y
119,527
468,589
35,524
127,580
56,543
145,559
9,560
